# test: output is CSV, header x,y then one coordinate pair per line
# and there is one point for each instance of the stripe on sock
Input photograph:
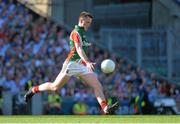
x,y
35,89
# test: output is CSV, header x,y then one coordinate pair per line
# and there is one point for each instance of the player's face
x,y
86,23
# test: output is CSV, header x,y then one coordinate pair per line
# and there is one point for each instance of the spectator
x,y
53,105
79,108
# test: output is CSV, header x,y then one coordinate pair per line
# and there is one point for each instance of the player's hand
x,y
90,66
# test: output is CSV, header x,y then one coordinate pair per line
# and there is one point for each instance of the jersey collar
x,y
78,27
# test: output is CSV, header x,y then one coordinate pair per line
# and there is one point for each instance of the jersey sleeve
x,y
75,37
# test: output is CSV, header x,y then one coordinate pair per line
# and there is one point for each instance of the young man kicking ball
x,y
77,64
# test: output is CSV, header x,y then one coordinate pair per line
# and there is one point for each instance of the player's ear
x,y
81,20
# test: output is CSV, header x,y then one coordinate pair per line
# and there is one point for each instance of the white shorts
x,y
73,68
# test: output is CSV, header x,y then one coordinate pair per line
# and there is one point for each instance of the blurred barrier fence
x,y
7,103
37,104
157,50
14,104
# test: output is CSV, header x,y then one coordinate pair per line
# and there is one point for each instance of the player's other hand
x,y
90,66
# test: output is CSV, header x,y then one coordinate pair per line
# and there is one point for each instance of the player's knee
x,y
54,87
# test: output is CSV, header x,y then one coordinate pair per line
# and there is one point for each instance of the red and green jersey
x,y
77,36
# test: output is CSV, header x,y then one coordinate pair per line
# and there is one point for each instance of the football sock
x,y
103,104
35,89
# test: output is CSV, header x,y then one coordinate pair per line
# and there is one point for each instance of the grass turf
x,y
90,119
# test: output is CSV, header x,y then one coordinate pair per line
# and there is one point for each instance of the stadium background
x,y
141,36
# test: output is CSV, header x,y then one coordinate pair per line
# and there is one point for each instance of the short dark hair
x,y
85,14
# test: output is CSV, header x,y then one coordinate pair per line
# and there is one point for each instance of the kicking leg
x,y
92,81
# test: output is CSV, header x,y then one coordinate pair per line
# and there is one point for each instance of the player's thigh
x,y
61,79
92,80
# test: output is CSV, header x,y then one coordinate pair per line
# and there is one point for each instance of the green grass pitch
x,y
89,119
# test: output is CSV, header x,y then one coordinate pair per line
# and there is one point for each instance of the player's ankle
x,y
105,110
103,105
35,89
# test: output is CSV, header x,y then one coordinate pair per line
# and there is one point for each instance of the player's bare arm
x,y
83,56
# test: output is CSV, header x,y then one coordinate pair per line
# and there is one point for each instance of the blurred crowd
x,y
32,50
177,1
